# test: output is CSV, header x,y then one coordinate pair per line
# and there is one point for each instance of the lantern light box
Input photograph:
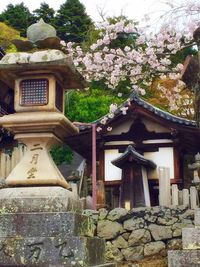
x,y
35,93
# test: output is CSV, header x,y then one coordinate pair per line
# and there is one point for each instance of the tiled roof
x,y
135,99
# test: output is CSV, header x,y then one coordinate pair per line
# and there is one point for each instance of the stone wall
x,y
141,232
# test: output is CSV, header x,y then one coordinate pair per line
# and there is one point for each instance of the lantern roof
x,y
15,65
131,155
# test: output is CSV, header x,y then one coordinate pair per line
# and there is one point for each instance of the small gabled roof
x,y
131,155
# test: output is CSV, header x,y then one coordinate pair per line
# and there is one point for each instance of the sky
x,y
134,9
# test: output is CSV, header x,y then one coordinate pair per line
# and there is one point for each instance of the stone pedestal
x,y
40,227
190,255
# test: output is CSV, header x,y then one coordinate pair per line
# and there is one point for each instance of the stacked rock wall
x,y
141,232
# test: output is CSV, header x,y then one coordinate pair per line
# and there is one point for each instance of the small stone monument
x,y
195,167
190,255
39,222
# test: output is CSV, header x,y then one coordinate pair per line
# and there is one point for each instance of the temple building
x,y
129,155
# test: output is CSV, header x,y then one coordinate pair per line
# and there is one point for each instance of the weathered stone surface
x,y
177,227
44,224
120,242
153,248
191,238
51,251
176,210
138,237
167,220
161,223
39,56
183,258
133,253
138,212
13,58
174,244
197,217
126,235
160,232
37,199
93,214
46,55
109,230
150,218
113,253
116,214
188,214
134,224
102,214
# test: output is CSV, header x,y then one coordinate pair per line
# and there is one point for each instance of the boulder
x,y
120,242
188,214
113,253
134,224
126,235
138,237
93,214
167,220
102,214
153,248
109,230
150,218
160,232
116,214
133,253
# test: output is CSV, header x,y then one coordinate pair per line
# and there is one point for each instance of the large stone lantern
x,y
39,220
39,80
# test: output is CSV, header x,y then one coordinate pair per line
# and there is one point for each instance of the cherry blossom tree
x,y
140,64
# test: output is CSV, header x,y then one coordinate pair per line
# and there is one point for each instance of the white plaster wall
x,y
112,173
153,126
121,128
164,157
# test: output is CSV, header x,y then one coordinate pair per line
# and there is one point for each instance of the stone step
x,y
197,217
54,251
38,199
44,224
191,238
61,265
184,258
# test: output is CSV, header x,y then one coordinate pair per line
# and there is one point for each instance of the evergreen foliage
x,y
18,16
45,12
72,21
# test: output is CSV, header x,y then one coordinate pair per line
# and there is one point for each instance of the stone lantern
x,y
39,220
39,80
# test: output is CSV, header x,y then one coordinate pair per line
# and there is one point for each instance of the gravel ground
x,y
155,261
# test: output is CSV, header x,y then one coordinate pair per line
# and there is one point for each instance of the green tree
x,y
18,16
45,12
88,106
72,21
